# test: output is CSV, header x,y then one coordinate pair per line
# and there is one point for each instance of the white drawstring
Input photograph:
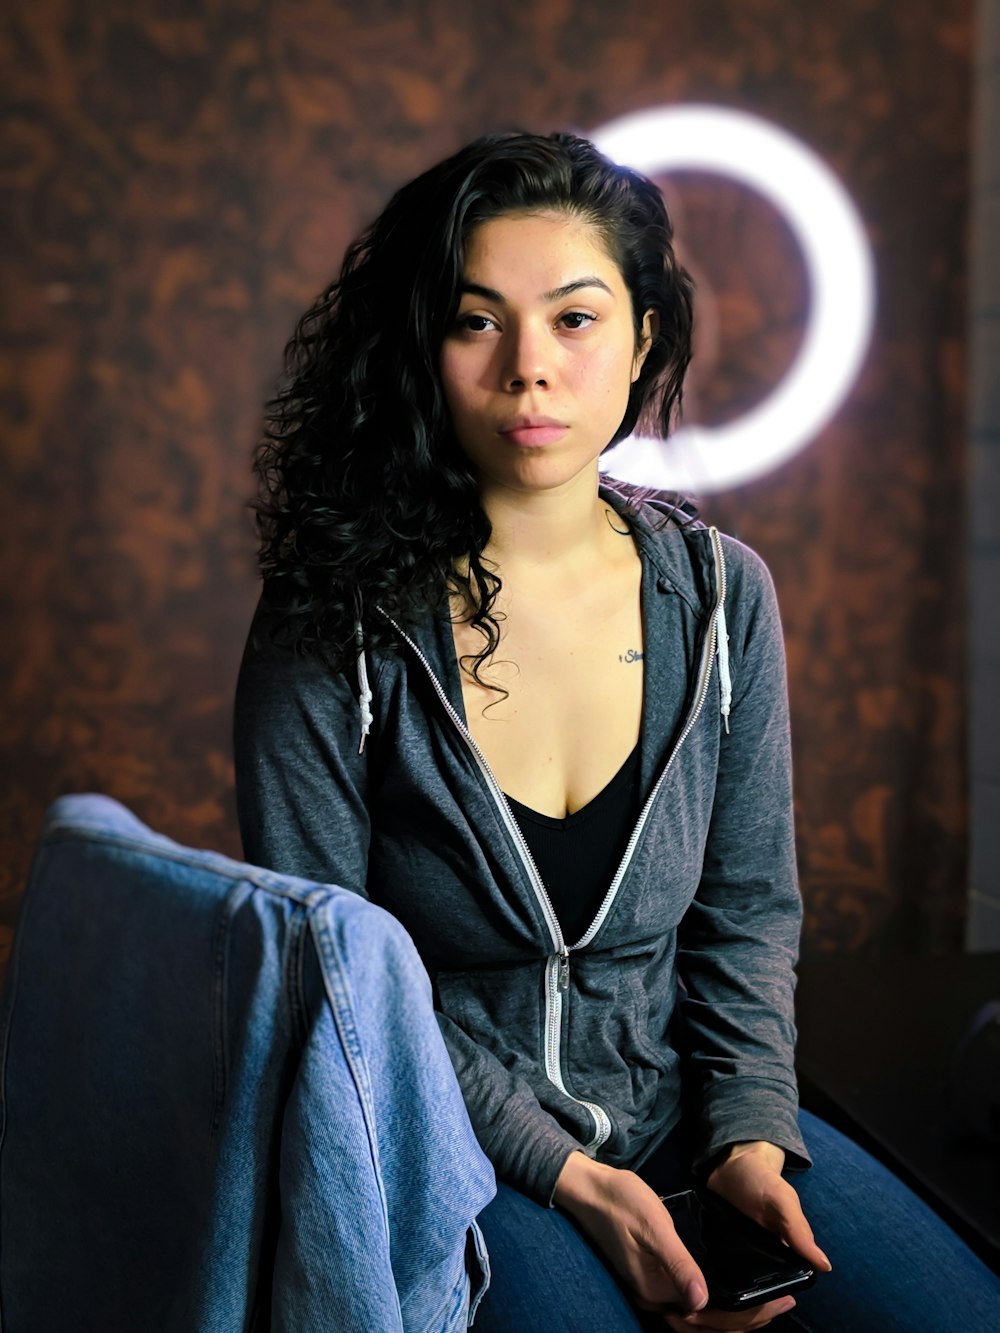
x,y
365,692
722,648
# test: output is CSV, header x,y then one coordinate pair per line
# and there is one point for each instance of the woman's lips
x,y
535,434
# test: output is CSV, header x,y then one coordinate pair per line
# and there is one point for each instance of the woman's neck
x,y
550,532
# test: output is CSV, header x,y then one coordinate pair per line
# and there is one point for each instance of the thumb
x,y
795,1231
674,1257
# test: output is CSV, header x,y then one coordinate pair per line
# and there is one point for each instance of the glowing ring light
x,y
841,287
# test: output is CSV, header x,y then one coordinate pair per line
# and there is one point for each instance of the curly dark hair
x,y
366,499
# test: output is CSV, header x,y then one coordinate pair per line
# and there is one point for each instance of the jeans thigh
x,y
896,1264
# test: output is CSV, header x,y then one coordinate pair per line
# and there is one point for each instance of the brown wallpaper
x,y
179,179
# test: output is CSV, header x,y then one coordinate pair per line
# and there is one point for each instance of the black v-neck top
x,y
577,856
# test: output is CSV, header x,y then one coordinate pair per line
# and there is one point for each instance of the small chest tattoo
x,y
633,655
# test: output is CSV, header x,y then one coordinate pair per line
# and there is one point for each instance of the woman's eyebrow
x,y
557,293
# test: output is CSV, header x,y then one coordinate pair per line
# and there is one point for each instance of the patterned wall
x,y
178,179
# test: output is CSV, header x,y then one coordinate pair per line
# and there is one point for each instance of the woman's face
x,y
543,333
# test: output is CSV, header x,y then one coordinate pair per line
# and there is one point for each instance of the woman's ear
x,y
650,328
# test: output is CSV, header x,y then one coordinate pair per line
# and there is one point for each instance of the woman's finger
x,y
726,1321
667,1270
796,1232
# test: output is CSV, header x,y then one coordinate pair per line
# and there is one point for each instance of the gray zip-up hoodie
x,y
561,1044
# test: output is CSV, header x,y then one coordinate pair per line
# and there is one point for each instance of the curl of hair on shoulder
x,y
365,499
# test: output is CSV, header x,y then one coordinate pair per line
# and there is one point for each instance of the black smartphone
x,y
743,1263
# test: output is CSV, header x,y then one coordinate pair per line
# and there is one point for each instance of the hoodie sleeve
x,y
738,941
302,803
301,785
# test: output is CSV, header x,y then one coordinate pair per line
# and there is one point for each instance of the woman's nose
x,y
526,359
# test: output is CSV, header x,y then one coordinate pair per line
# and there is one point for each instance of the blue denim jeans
x,y
896,1265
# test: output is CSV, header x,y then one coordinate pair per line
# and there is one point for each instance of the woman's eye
x,y
579,315
475,323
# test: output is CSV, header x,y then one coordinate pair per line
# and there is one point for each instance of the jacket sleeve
x,y
302,802
738,941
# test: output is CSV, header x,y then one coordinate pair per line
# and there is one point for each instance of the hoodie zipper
x,y
557,963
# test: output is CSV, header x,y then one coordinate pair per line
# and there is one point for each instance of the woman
x,y
543,722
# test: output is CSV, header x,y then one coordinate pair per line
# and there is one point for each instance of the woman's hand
x,y
630,1226
749,1177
